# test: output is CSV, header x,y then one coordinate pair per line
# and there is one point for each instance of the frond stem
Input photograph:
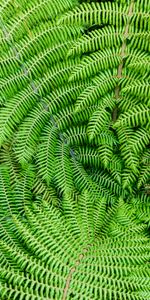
x,y
120,67
72,270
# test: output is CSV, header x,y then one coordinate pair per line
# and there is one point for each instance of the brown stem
x,y
72,270
120,67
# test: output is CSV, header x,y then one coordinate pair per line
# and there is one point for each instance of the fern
x,y
41,190
46,153
34,12
52,251
5,193
8,159
74,149
91,65
139,115
95,40
63,176
102,84
27,137
96,13
98,51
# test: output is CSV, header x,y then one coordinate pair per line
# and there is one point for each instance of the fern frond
x,y
106,137
101,118
12,84
140,40
88,156
134,55
142,90
96,40
6,195
142,6
56,76
23,187
29,133
116,163
44,36
14,111
88,14
137,116
129,178
65,95
101,85
105,153
45,157
140,19
7,157
95,62
131,158
41,63
141,66
116,174
146,157
76,135
144,176
86,215
143,210
7,9
35,12
56,246
75,159
36,66
99,214
67,117
139,140
63,170
98,122
133,78
70,207
83,182
44,192
108,182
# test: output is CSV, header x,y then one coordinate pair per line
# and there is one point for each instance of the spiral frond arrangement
x,y
74,149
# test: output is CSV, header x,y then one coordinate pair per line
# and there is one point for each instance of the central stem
x,y
72,270
120,67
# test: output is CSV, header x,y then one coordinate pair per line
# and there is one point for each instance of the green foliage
x,y
74,149
80,251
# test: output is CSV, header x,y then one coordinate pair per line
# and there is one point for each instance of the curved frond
x,y
84,182
63,169
13,113
45,157
105,153
35,12
100,86
94,63
28,134
6,195
131,158
137,116
88,14
96,40
139,140
142,90
98,122
58,250
144,177
74,149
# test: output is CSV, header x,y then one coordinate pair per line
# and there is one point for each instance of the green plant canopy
x,y
74,149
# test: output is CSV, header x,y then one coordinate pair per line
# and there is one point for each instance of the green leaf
x,y
138,116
